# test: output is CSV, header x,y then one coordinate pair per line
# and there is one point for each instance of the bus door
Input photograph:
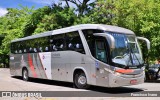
x,y
101,53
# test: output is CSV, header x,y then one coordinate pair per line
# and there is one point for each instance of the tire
x,y
25,75
80,81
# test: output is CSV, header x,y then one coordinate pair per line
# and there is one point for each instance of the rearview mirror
x,y
108,37
146,40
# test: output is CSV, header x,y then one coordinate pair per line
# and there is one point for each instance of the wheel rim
x,y
82,80
25,74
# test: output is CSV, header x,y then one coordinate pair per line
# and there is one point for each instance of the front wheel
x,y
80,81
25,75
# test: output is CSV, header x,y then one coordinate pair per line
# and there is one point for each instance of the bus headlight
x,y
117,74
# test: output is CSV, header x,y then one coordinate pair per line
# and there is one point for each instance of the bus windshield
x,y
127,52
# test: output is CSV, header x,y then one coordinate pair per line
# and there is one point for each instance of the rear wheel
x,y
80,80
25,74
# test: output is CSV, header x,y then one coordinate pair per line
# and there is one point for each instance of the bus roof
x,y
109,28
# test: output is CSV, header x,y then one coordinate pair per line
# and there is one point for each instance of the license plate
x,y
133,82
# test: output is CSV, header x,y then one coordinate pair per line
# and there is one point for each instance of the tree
x,y
11,26
102,13
82,7
49,18
35,19
60,19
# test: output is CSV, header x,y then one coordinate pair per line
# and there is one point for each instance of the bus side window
x,y
13,47
20,47
30,50
42,44
24,47
97,45
46,49
61,46
74,43
40,49
20,51
57,42
25,51
70,46
35,50
54,48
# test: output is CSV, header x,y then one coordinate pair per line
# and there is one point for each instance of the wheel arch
x,y
24,67
81,69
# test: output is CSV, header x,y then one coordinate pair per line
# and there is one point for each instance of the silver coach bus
x,y
87,54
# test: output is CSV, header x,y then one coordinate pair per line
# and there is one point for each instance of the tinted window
x,y
90,38
60,42
31,46
74,43
98,45
57,42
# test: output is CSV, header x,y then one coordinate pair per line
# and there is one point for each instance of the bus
x,y
85,54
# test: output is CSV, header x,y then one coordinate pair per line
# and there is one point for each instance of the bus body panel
x,y
15,65
102,76
59,60
64,63
45,62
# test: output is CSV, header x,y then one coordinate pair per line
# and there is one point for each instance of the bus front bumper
x,y
125,80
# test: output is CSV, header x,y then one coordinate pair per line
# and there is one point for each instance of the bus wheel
x,y
80,80
25,74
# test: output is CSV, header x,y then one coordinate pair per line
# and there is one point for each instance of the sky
x,y
29,3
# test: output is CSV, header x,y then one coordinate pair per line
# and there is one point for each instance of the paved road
x,y
8,83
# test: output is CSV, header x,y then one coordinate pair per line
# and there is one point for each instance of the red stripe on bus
x,y
31,65
42,65
124,71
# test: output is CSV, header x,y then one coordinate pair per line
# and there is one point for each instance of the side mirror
x,y
108,37
146,40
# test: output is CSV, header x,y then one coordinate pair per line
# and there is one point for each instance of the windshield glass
x,y
126,52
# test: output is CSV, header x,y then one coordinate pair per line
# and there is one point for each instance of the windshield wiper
x,y
134,55
130,56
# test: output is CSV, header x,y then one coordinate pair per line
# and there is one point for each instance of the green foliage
x,y
35,19
57,20
83,7
11,26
